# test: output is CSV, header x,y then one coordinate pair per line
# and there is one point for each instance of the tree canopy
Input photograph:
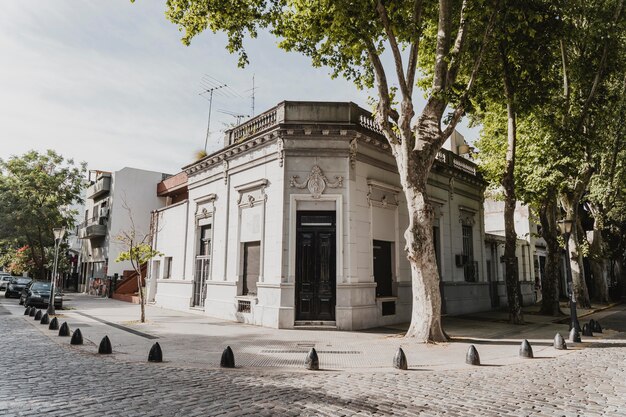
x,y
36,193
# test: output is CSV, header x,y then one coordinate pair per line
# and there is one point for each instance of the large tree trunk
x,y
598,267
513,292
550,278
426,312
578,273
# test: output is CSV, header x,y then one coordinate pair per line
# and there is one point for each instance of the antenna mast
x,y
210,91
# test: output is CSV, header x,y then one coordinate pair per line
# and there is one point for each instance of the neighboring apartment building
x,y
530,251
109,203
300,219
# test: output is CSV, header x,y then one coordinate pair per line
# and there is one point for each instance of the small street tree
x,y
137,249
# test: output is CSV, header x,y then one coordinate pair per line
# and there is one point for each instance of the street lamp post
x,y
58,236
565,227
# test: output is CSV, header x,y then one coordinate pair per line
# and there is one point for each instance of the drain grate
x,y
331,352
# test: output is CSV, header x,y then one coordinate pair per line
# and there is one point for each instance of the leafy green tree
x,y
592,47
436,45
35,191
525,34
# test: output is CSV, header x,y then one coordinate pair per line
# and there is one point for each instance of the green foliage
x,y
138,254
36,190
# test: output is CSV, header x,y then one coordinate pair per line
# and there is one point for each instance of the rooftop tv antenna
x,y
212,86
238,117
252,95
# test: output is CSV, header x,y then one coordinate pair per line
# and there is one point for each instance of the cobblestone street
x,y
590,382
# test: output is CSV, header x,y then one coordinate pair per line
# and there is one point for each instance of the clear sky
x,y
110,83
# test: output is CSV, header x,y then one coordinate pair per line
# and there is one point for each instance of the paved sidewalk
x,y
196,341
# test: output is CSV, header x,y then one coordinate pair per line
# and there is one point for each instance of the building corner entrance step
x,y
314,325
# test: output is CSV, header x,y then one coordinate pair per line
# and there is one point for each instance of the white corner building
x,y
299,220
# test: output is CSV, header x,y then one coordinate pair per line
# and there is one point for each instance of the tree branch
x,y
395,49
414,50
566,92
443,38
598,76
455,53
460,110
384,105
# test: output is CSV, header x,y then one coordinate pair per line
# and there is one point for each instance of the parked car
x,y
38,293
4,281
16,285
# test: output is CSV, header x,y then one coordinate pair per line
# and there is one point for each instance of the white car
x,y
4,281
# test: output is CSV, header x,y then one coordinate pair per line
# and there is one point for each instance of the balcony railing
x,y
100,187
93,228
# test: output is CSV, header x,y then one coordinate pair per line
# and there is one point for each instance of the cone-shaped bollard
x,y
64,330
77,338
596,327
312,362
32,311
45,319
587,330
105,347
525,350
38,315
472,357
399,360
228,358
54,324
592,324
574,336
559,343
156,354
27,311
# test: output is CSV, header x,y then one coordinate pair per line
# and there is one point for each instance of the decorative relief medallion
x,y
316,182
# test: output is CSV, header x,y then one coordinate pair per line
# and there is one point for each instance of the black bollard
x,y
559,343
156,354
399,360
32,311
525,350
596,327
587,330
77,338
54,324
574,336
64,330
592,324
312,362
38,315
228,358
105,347
27,311
472,357
45,319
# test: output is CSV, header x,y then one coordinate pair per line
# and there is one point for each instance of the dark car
x,y
16,285
38,293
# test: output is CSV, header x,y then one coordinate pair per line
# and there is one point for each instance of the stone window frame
x,y
251,194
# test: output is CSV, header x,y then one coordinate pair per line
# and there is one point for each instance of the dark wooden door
x,y
315,266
